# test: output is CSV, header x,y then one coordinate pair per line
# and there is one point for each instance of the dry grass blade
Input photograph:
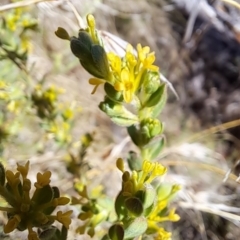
x,y
213,130
21,4
226,175
78,17
205,208
233,3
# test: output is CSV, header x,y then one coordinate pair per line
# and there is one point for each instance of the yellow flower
x,y
91,21
173,216
23,169
146,58
52,93
91,29
96,82
125,78
4,96
59,131
115,63
26,22
26,185
151,170
163,235
127,72
13,179
12,21
43,179
68,113
3,85
159,169
64,218
127,84
26,44
63,200
14,106
12,224
154,215
147,166
131,60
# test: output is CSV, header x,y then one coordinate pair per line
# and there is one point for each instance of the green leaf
x,y
124,122
163,191
100,60
151,82
2,175
155,147
116,232
114,95
134,205
56,194
120,209
134,162
149,196
156,96
64,233
148,210
156,110
118,113
144,134
80,49
136,228
91,68
44,195
133,132
92,56
58,235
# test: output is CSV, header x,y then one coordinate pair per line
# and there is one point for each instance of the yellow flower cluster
x,y
19,19
136,181
26,210
127,72
124,74
139,182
